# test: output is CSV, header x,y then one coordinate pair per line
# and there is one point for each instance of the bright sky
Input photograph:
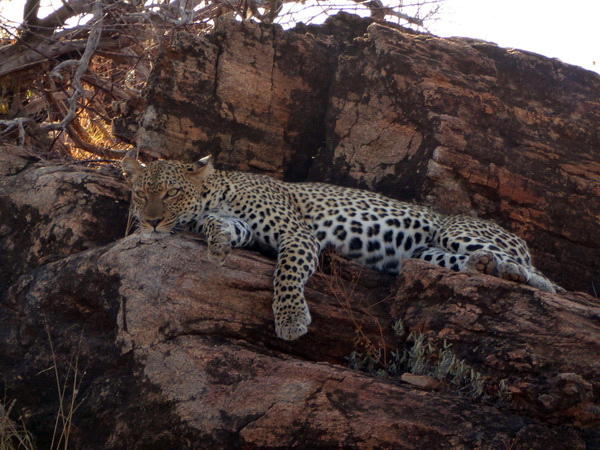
x,y
568,30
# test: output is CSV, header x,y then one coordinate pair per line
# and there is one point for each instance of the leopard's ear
x,y
200,170
205,161
131,169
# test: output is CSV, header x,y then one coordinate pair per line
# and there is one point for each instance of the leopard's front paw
x,y
290,332
291,327
219,247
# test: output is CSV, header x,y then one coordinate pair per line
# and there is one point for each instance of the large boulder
x,y
142,342
146,334
155,337
461,125
51,210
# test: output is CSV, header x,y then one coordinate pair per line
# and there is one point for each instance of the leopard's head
x,y
165,193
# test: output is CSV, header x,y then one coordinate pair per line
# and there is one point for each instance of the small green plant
x,y
504,393
367,362
422,356
398,328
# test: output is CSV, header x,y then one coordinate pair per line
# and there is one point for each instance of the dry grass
x,y
419,354
343,293
415,352
14,435
68,388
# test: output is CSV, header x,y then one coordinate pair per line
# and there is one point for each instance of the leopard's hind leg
x,y
478,262
480,239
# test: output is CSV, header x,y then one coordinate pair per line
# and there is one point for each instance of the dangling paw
x,y
481,261
290,332
291,326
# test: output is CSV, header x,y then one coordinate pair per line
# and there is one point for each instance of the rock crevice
x,y
461,125
174,352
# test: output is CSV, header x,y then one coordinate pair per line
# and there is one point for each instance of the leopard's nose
x,y
154,223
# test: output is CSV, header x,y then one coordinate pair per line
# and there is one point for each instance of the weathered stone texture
x,y
262,107
178,338
514,330
49,211
462,125
174,352
163,340
486,131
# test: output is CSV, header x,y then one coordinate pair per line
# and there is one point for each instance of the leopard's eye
x,y
139,193
172,192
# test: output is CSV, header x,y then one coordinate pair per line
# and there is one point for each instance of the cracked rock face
x,y
163,340
50,211
172,343
458,124
173,352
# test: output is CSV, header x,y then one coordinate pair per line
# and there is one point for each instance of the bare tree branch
x,y
19,123
110,88
121,39
91,148
24,60
30,18
82,67
69,9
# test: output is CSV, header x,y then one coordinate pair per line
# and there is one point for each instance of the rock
x,y
166,341
49,211
263,112
422,381
468,127
151,319
512,334
458,124
166,350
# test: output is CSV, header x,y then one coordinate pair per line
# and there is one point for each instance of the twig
x,y
112,89
20,123
344,297
91,148
82,66
77,133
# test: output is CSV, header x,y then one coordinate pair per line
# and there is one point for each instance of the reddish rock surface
x,y
163,340
159,328
504,330
469,127
173,352
462,125
51,210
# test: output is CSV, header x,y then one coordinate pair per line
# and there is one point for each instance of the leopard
x,y
299,220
